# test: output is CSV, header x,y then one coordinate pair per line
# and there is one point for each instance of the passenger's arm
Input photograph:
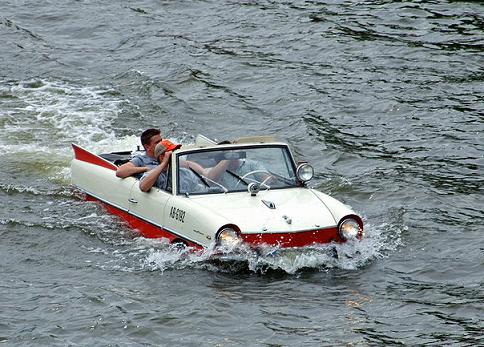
x,y
218,170
151,178
129,169
195,166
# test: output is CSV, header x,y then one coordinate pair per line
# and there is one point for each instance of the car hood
x,y
284,210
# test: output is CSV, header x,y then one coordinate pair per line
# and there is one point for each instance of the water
x,y
385,99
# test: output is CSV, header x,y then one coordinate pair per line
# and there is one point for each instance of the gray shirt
x,y
245,166
145,160
188,181
160,181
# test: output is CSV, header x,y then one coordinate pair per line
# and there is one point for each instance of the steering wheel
x,y
253,172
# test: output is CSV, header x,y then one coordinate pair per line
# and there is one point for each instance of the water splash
x,y
379,242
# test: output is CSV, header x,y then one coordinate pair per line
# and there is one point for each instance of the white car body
x,y
285,213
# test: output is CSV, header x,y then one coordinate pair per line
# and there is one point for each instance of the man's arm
x,y
195,166
151,178
129,169
218,170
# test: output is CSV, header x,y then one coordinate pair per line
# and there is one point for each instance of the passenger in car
x,y
233,168
159,176
143,162
230,171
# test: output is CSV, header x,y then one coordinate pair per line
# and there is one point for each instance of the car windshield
x,y
232,169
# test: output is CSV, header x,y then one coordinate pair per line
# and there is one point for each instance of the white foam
x,y
54,113
43,117
378,243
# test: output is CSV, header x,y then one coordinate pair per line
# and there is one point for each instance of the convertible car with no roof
x,y
258,196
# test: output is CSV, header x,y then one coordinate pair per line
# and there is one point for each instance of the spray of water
x,y
378,243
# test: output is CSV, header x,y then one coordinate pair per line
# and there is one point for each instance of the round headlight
x,y
349,229
228,238
305,172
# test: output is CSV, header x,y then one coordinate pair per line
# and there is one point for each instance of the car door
x,y
148,210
